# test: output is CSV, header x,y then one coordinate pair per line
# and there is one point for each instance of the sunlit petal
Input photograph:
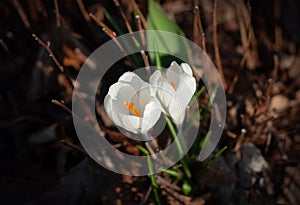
x,y
151,115
131,104
133,79
187,69
131,123
175,91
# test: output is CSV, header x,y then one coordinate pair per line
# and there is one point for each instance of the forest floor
x,y
42,161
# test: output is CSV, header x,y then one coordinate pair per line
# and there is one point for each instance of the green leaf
x,y
158,20
215,156
172,173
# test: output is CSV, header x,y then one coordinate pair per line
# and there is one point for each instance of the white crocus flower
x,y
131,104
175,90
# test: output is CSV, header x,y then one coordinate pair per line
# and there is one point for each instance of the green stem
x,y
205,139
172,173
200,143
152,174
179,147
215,156
196,96
157,58
112,22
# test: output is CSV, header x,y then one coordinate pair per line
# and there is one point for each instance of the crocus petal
x,y
153,80
127,93
130,123
185,90
177,113
174,99
145,111
108,106
187,69
151,115
133,79
175,68
144,96
112,114
173,73
117,90
114,101
164,91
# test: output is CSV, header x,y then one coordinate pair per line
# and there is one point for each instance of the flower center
x,y
130,107
173,85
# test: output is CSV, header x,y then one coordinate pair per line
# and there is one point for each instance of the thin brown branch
x,y
143,19
62,105
83,10
252,38
196,38
198,28
216,45
127,24
146,196
85,107
57,14
149,148
278,31
32,10
243,33
141,30
51,54
68,82
178,197
250,57
244,22
103,25
21,13
145,59
164,183
107,31
248,39
3,44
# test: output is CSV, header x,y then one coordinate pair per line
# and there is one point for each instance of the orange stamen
x,y
130,107
173,85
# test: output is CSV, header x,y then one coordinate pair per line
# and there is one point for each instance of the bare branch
x,y
51,54
216,45
83,11
21,12
57,14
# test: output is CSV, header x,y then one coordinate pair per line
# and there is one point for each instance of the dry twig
x,y
278,31
51,54
198,27
127,24
143,19
216,45
273,80
145,59
141,30
83,11
107,31
21,12
57,14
